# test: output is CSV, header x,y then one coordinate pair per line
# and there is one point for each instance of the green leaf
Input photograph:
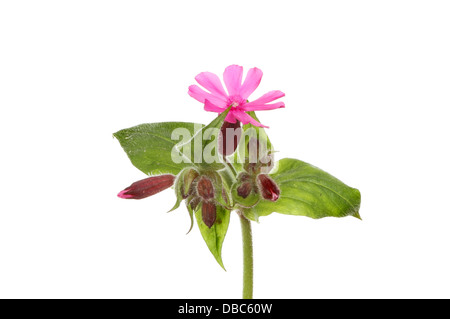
x,y
150,146
308,191
215,235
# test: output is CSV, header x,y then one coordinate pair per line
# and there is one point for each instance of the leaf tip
x,y
221,264
356,215
117,134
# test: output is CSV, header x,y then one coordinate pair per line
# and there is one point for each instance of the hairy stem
x,y
247,244
229,166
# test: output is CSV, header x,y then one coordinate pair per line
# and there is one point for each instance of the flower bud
x,y
269,189
259,159
208,213
245,189
147,187
186,186
205,188
246,183
230,134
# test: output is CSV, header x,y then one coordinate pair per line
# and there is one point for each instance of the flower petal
x,y
212,83
123,194
201,95
245,119
212,108
263,107
232,76
251,82
266,98
230,117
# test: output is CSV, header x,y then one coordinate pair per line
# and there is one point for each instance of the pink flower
x,y
217,100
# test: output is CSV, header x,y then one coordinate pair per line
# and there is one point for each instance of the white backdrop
x,y
367,94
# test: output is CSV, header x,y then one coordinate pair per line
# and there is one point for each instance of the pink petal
x,y
263,107
245,119
230,117
123,194
251,82
266,98
201,95
232,76
212,83
212,108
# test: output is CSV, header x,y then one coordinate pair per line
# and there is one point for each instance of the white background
x,y
367,98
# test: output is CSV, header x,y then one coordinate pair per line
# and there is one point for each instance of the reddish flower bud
x,y
205,188
230,134
147,187
245,189
208,213
269,189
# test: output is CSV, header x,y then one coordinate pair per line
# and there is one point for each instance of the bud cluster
x,y
255,183
203,190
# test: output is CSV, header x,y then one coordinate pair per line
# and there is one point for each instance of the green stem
x,y
247,245
230,166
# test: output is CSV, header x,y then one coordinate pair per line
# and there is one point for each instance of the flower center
x,y
235,101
